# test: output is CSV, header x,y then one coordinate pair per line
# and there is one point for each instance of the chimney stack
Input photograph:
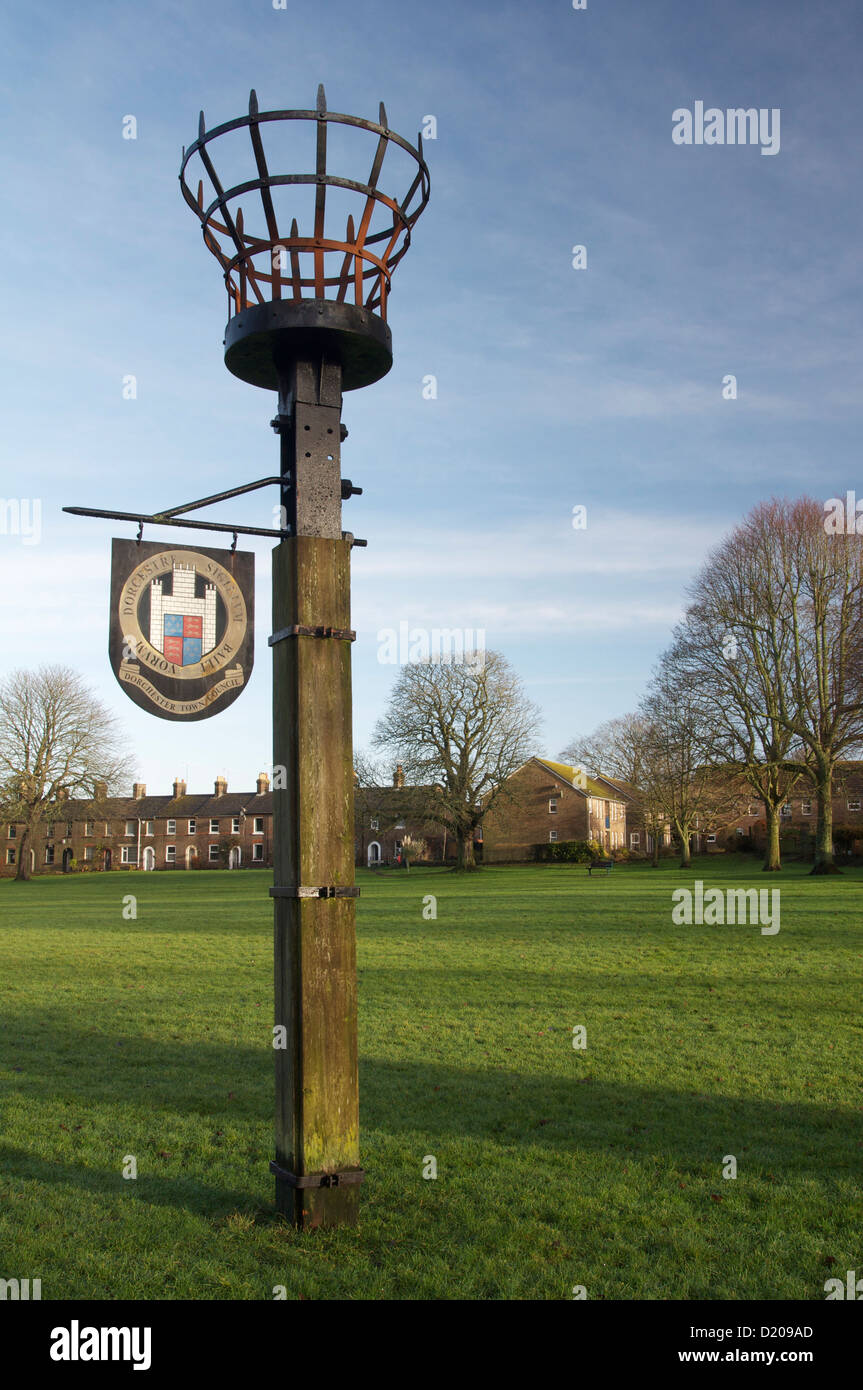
x,y
179,789
221,786
100,791
263,783
399,776
139,790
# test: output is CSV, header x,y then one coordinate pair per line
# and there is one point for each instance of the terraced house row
x,y
214,830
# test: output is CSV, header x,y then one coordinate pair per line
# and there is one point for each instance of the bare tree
x,y
56,741
677,780
614,749
797,603
737,661
465,727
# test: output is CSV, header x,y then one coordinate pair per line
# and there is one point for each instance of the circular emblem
x,y
182,615
182,627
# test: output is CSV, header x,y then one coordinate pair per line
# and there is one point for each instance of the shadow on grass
x,y
520,1116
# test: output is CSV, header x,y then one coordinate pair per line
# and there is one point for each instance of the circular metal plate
x,y
256,337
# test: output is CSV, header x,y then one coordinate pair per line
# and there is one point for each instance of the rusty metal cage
x,y
279,291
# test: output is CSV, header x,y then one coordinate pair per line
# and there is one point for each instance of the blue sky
x,y
556,387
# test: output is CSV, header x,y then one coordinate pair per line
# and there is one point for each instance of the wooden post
x,y
317,1095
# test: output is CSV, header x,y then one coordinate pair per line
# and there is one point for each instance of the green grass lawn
x,y
556,1167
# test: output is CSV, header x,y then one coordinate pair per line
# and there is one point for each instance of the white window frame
x,y
170,854
10,854
89,853
193,825
785,811
148,827
213,858
259,825
635,839
853,805
171,828
128,854
134,827
214,825
552,805
711,839
89,827
235,825
806,808
375,823
552,836
258,853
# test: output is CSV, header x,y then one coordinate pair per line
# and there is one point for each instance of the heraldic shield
x,y
182,626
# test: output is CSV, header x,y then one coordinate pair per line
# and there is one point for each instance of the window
x,y
172,827
235,825
88,827
740,830
13,831
552,805
259,825
374,823
750,810
148,827
88,854
214,827
786,809
170,854
69,830
10,855
131,827
258,852
128,854
107,828
193,826
853,805
635,838
806,808
49,830
214,852
552,834
711,839
49,854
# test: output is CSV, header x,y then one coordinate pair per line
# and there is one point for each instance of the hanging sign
x,y
182,626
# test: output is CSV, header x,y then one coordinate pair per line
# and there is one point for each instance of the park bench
x,y
607,864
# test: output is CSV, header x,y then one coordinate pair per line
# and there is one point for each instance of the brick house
x,y
548,802
181,831
389,821
798,815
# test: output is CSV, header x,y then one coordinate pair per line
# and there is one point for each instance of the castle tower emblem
x,y
182,626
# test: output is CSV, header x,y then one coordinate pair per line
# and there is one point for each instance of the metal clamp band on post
x,y
332,890
342,1179
342,634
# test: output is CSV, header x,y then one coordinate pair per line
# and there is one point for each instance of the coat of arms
x,y
182,627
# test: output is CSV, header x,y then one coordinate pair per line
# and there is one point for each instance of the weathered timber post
x,y
286,333
317,1095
